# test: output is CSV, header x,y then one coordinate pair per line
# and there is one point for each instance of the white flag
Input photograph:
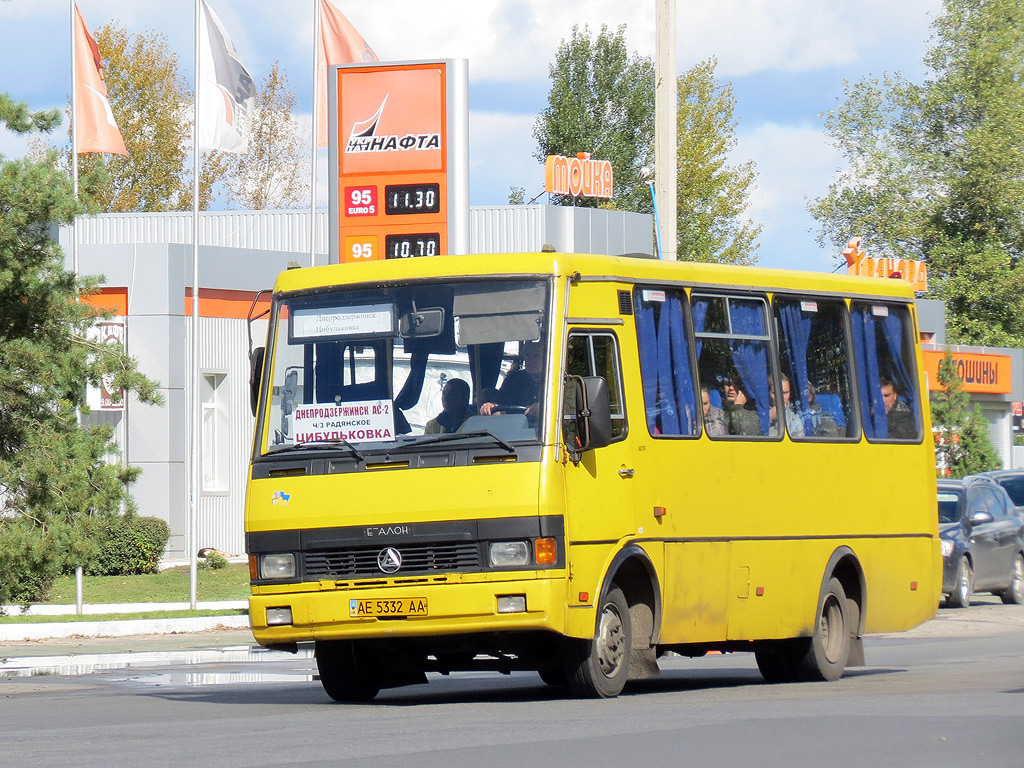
x,y
225,91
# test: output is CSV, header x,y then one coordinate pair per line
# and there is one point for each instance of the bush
x,y
212,559
129,545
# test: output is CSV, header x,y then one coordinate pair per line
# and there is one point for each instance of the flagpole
x,y
316,127
193,400
74,137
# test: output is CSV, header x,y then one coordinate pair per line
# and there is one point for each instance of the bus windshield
x,y
399,366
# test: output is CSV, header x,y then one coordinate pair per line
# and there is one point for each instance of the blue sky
x,y
786,60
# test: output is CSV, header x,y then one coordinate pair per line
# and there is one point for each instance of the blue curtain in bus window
x,y
892,331
796,327
686,403
751,357
665,368
865,352
648,341
700,312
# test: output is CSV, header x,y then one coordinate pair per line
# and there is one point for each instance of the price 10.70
x,y
408,246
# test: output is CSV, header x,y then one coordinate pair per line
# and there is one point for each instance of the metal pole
x,y
665,105
79,590
193,497
657,223
316,125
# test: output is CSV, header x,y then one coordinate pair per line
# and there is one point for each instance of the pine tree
x,y
55,481
962,445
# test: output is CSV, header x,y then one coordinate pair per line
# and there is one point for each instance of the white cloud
x,y
794,164
501,156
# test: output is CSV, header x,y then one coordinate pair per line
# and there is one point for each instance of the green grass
x,y
169,586
116,616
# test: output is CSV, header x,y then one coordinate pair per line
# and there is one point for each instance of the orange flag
x,y
339,43
95,127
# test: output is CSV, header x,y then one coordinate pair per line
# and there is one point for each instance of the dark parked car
x,y
982,541
1012,481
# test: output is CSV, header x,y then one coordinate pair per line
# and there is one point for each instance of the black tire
x,y
777,661
961,595
1014,594
824,654
598,668
554,676
347,673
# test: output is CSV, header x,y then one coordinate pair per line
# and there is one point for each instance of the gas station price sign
x,y
399,157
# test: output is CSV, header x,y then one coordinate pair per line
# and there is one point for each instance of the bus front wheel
x,y
347,674
598,668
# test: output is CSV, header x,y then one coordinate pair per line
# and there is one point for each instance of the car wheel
x,y
1015,592
961,596
598,668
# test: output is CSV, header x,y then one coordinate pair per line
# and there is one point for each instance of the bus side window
x,y
890,402
665,369
733,361
815,360
597,354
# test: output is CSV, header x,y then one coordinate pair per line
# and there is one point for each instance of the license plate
x,y
387,607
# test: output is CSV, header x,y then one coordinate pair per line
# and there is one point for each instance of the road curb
x,y
13,633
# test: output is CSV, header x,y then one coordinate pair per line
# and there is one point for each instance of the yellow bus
x,y
573,464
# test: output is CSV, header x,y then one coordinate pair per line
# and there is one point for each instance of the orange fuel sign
x,y
399,160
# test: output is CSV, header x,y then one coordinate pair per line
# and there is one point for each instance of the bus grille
x,y
416,559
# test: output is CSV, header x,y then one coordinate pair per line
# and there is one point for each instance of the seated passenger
x,y
714,417
823,422
901,420
740,415
521,387
794,422
454,408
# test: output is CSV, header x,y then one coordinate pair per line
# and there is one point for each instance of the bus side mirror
x,y
255,377
587,412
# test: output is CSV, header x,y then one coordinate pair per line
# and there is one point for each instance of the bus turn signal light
x,y
544,551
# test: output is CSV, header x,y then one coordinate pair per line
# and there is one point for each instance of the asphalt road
x,y
950,693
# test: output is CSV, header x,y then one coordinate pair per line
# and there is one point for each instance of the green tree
x,y
55,482
962,445
712,193
601,101
936,170
274,173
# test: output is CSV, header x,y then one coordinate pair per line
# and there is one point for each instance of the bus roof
x,y
615,268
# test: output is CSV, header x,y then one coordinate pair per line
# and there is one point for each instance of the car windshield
x,y
392,367
949,506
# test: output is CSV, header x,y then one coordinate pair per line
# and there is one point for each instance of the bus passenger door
x,y
599,488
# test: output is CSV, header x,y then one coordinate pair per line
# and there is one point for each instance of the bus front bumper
x,y
424,610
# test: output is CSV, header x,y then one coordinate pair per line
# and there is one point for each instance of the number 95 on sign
x,y
360,248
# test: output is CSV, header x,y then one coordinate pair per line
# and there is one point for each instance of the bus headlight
x,y
277,566
505,554
947,547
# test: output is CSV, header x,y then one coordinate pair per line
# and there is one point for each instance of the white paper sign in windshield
x,y
320,322
363,421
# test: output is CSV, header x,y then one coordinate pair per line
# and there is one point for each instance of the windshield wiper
x,y
314,444
449,436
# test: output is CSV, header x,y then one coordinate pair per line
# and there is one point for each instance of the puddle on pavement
x,y
86,664
184,679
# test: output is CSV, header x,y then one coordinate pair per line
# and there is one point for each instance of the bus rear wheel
x,y
598,668
829,647
347,672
